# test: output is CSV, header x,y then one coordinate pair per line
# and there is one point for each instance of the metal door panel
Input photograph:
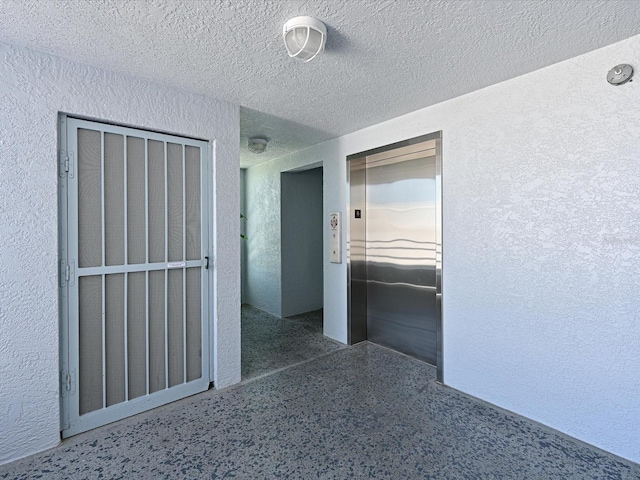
x,y
356,255
400,244
394,252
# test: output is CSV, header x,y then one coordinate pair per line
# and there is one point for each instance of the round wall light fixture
x,y
257,145
304,37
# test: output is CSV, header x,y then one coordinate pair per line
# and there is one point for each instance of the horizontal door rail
x,y
139,267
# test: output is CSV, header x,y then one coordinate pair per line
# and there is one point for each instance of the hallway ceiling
x,y
383,58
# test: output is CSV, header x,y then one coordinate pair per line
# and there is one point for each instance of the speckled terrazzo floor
x,y
270,343
359,412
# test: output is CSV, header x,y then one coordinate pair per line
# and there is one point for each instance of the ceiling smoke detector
x,y
304,37
257,145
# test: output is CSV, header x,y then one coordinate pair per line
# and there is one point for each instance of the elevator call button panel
x,y
335,252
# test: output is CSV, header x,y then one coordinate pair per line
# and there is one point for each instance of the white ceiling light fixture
x,y
304,37
257,145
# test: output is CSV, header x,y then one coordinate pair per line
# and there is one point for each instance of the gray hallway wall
x,y
301,241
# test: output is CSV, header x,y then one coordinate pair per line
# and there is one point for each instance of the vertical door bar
x,y
126,275
104,279
206,245
184,270
146,247
126,335
166,272
439,331
104,342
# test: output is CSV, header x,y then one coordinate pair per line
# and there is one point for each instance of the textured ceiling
x,y
383,58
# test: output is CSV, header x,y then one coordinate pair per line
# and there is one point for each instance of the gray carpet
x,y
359,412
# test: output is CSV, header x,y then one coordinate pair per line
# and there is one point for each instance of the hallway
x,y
359,412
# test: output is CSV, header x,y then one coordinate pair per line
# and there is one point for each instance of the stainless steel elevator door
x,y
400,244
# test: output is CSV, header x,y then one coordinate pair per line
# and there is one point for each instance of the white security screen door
x,y
133,260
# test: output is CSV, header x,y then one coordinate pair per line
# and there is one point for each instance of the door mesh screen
x,y
175,328
114,198
156,331
136,233
114,333
175,207
192,196
140,323
137,334
156,202
89,198
90,331
194,324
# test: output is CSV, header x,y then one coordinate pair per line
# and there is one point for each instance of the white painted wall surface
x,y
263,197
541,286
33,88
301,241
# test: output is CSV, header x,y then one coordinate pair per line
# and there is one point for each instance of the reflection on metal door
x,y
401,251
395,248
133,254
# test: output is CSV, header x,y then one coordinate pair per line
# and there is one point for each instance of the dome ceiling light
x,y
257,145
304,37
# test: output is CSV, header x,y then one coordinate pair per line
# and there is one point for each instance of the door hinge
x,y
67,273
68,383
63,273
66,164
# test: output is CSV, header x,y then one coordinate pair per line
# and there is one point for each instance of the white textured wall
x,y
262,185
33,88
264,273
541,287
301,242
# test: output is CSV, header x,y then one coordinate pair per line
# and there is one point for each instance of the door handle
x,y
206,265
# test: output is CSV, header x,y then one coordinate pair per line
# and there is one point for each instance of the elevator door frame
x,y
356,328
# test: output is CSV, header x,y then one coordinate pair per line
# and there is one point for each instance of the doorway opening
x,y
271,341
301,241
395,247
